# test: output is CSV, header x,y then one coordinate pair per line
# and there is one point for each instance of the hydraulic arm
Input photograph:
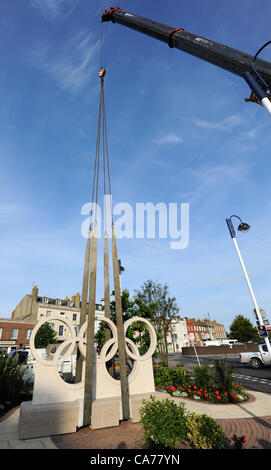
x,y
256,72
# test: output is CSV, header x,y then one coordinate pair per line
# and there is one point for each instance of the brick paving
x,y
130,436
257,431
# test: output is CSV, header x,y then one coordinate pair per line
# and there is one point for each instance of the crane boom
x,y
232,60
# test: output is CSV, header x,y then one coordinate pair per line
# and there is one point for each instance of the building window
x,y
74,316
1,331
48,313
62,314
45,300
27,334
14,334
76,329
58,302
70,304
60,330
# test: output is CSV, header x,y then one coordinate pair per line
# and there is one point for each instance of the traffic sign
x,y
262,312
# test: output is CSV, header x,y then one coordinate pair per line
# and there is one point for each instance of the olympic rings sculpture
x,y
72,339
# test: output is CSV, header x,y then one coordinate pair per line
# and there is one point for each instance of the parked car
x,y
256,359
66,368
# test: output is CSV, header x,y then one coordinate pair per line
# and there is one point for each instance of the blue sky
x,y
179,130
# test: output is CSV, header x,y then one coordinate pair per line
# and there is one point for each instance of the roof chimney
x,y
35,291
77,301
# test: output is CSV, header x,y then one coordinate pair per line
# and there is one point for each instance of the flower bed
x,y
213,384
209,395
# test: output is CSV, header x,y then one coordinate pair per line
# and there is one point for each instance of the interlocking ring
x,y
104,356
153,344
69,342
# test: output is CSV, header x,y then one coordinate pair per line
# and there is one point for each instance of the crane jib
x,y
225,57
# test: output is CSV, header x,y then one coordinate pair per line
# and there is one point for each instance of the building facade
x,y
203,331
33,308
219,330
177,337
15,334
186,331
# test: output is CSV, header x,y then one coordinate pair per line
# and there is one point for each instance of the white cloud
x,y
168,139
54,9
252,134
226,124
72,67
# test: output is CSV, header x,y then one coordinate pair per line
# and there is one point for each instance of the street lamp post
x,y
243,227
121,269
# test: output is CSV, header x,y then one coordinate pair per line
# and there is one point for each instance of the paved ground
x,y
251,419
9,435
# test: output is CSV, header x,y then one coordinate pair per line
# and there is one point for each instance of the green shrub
x,y
203,377
222,374
13,384
203,432
164,423
162,377
176,376
179,376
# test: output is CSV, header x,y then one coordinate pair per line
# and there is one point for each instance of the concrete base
x,y
136,403
106,412
48,419
63,418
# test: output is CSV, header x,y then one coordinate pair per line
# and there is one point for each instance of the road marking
x,y
253,379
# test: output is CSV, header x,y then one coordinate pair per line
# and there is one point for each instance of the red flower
x,y
218,397
244,439
180,386
225,393
216,392
195,386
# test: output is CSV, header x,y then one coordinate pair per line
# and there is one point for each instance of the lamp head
x,y
243,227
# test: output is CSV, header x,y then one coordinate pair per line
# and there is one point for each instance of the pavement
x,y
251,419
9,435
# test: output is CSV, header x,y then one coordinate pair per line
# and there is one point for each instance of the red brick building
x,y
15,334
190,329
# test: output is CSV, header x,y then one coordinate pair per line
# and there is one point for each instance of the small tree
x,y
154,293
45,335
243,330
